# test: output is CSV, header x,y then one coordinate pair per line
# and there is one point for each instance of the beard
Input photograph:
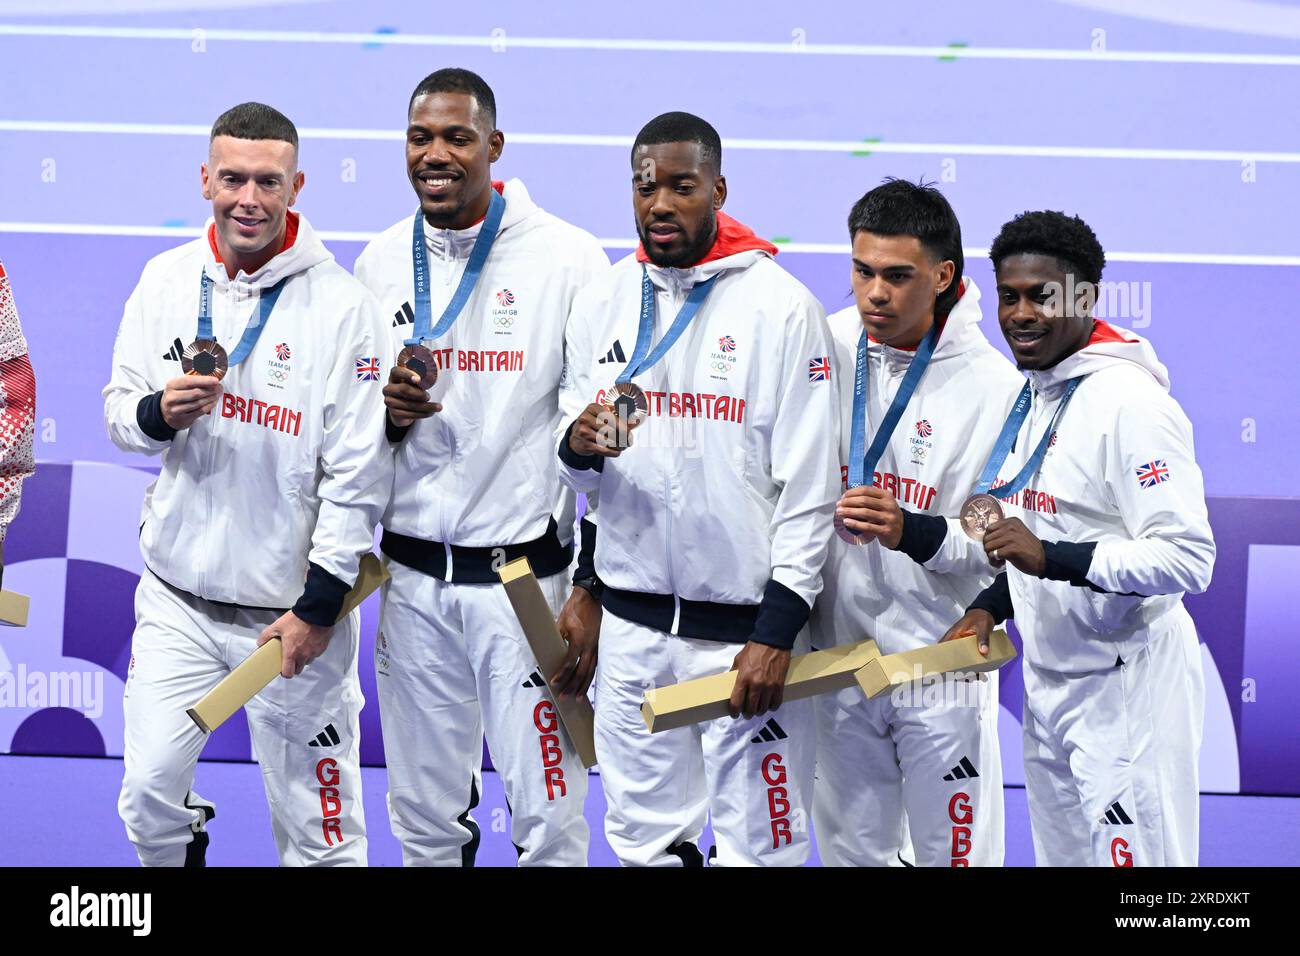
x,y
696,247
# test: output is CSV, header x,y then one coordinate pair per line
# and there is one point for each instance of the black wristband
x,y
592,585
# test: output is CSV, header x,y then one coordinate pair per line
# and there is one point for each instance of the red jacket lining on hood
x,y
733,237
1105,332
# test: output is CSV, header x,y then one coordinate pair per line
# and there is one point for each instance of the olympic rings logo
x,y
504,321
720,366
279,374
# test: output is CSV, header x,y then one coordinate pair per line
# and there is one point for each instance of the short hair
x,y
455,80
255,121
900,208
681,128
1067,239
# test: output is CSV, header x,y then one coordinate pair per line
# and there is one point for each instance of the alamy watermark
x,y
75,908
36,690
1129,302
958,689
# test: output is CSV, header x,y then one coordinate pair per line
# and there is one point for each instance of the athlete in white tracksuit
x,y
713,531
476,486
17,410
283,482
924,758
1116,517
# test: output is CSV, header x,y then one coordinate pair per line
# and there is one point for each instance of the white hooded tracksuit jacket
x,y
713,530
17,409
1113,685
476,486
266,503
929,755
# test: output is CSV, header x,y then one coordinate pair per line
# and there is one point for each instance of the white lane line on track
x,y
504,41
775,145
823,248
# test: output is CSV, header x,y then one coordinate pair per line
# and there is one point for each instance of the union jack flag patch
x,y
1152,473
819,369
368,369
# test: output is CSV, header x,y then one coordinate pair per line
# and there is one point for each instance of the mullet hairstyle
x,y
900,208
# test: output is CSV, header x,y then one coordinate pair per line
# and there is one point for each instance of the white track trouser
x,y
305,732
1111,756
753,776
923,758
451,661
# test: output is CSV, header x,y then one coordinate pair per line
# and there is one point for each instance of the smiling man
x,y
714,520
274,473
478,282
1105,529
922,394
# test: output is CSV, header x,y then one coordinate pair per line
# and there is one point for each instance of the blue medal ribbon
x,y
645,332
253,331
1007,440
863,464
424,329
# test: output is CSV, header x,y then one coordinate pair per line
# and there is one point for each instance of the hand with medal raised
x,y
870,514
600,430
301,643
189,397
1010,540
405,395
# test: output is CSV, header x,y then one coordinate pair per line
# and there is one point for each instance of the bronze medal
x,y
978,514
630,406
205,357
419,360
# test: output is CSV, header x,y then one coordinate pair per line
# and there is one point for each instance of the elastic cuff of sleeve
x,y
322,598
781,615
395,433
149,416
996,599
922,535
586,566
1068,561
573,459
